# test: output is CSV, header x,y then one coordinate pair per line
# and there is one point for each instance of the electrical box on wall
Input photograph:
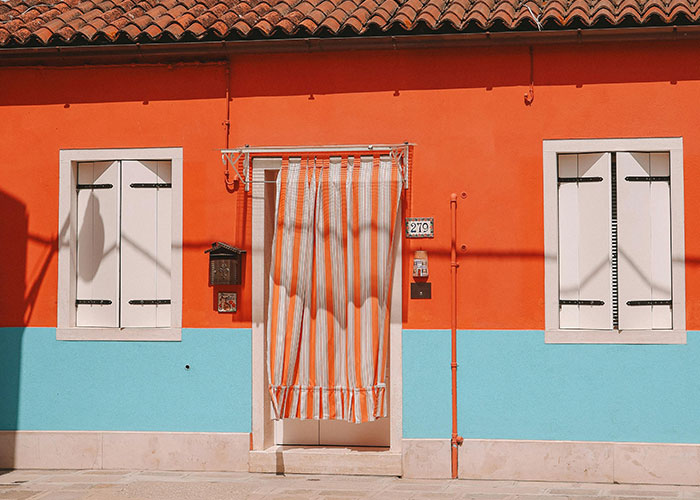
x,y
225,264
421,290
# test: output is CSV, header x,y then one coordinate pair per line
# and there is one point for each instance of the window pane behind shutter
x,y
585,241
145,257
98,245
644,220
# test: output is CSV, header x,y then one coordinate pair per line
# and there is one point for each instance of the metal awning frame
x,y
398,153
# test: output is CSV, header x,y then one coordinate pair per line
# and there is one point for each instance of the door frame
x,y
262,423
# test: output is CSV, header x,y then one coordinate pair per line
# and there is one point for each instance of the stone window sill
x,y
120,334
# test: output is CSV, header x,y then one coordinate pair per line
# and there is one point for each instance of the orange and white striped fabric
x,y
330,284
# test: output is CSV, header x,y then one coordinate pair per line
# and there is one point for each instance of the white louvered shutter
x,y
644,242
97,284
146,244
585,247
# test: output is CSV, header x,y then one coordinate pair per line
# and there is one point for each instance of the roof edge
x,y
172,52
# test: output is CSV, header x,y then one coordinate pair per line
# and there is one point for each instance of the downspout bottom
x,y
455,443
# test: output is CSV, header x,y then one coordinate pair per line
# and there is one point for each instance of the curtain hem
x,y
358,405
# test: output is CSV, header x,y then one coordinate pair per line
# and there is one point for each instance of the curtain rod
x,y
317,149
230,157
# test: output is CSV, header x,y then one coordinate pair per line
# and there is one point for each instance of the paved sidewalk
x,y
152,485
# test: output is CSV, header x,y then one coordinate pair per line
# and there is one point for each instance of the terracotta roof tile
x,y
429,15
382,15
241,27
132,31
270,18
455,13
43,33
342,11
330,24
7,37
196,28
51,22
65,33
177,11
110,31
163,21
23,34
220,28
104,6
185,19
219,9
153,31
88,31
143,22
175,30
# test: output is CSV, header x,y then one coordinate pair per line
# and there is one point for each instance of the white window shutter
x,y
146,243
585,248
98,245
644,242
164,245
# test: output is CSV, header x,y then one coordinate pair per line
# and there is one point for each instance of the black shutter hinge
x,y
579,179
146,185
649,302
581,303
651,178
93,186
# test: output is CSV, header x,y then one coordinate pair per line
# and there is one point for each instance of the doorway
x,y
385,432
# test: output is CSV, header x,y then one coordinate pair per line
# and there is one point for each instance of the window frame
x,y
67,246
550,150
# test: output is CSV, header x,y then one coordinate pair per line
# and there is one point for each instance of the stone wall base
x,y
571,461
598,462
195,451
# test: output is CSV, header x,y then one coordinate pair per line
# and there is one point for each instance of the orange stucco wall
x,y
463,108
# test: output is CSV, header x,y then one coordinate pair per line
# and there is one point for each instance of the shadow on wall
x,y
140,84
13,312
325,73
18,298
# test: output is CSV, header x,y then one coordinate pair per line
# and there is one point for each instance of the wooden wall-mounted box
x,y
225,264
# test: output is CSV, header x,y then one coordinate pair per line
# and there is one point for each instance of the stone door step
x,y
326,460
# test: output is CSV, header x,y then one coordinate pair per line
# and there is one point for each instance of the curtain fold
x,y
330,285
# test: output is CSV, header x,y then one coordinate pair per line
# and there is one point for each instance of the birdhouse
x,y
225,264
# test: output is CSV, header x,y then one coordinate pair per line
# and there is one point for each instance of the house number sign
x,y
419,227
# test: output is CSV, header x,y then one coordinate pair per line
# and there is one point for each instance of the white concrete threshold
x,y
326,460
182,451
580,461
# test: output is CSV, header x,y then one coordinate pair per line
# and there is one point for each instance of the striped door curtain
x,y
330,285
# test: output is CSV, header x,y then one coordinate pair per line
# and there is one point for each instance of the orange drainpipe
x,y
230,184
227,122
456,439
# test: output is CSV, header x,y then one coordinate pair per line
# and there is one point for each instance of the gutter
x,y
171,52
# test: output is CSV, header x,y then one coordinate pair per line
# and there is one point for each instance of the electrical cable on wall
x,y
535,18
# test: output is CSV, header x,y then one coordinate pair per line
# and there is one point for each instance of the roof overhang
x,y
168,53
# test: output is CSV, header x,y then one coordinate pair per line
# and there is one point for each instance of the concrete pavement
x,y
155,485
